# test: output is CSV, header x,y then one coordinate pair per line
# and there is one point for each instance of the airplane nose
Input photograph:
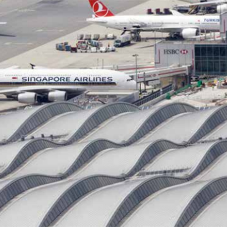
x,y
132,84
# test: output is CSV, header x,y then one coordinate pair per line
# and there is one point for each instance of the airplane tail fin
x,y
99,9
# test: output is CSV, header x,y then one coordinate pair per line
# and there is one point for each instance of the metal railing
x,y
154,95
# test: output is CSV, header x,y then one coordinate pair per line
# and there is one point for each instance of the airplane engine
x,y
189,33
222,8
57,96
28,97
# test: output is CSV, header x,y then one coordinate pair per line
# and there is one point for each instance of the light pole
x,y
135,56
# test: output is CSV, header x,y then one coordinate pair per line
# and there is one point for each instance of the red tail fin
x,y
99,9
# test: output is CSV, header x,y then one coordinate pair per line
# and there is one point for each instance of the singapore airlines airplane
x,y
221,5
176,25
48,85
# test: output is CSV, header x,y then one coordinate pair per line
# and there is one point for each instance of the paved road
x,y
32,23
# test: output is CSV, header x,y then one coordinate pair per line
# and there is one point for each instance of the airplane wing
x,y
42,90
13,67
163,29
209,3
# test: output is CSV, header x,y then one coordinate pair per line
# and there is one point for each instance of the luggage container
x,y
61,47
110,36
158,11
87,36
95,43
57,46
68,48
73,50
80,37
111,49
167,11
103,49
149,11
93,50
96,37
81,42
83,48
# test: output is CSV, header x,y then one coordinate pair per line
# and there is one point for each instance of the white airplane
x,y
221,5
49,85
176,25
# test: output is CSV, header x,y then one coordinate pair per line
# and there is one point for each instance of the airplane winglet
x,y
176,13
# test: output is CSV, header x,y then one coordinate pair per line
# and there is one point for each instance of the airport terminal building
x,y
205,58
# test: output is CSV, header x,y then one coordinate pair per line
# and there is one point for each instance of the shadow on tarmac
x,y
6,35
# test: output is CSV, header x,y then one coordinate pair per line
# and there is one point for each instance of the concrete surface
x,y
32,23
47,56
35,26
207,97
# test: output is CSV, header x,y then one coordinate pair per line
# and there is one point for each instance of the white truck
x,y
123,40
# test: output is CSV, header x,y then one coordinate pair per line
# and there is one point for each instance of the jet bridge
x,y
159,75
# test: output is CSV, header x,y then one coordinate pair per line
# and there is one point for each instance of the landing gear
x,y
174,36
136,36
124,32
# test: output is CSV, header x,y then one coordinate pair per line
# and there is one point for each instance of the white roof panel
x,y
97,208
12,121
52,162
163,209
218,169
115,130
183,158
181,127
64,125
220,132
29,209
214,215
9,152
114,162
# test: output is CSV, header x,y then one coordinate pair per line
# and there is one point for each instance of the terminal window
x,y
211,59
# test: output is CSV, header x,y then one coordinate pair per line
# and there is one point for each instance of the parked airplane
x,y
221,5
48,85
176,25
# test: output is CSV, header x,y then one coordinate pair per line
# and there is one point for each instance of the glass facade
x,y
211,59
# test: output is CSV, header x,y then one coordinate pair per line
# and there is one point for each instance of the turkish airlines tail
x,y
99,9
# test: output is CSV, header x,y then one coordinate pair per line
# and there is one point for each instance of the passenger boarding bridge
x,y
158,73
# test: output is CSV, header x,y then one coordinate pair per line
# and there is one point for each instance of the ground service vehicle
x,y
123,40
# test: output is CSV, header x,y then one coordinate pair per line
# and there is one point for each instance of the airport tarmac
x,y
46,55
31,23
35,38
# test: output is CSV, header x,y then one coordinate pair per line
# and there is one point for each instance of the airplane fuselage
x,y
152,23
83,78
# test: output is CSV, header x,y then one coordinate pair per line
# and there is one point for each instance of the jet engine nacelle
x,y
57,96
189,33
27,97
222,8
